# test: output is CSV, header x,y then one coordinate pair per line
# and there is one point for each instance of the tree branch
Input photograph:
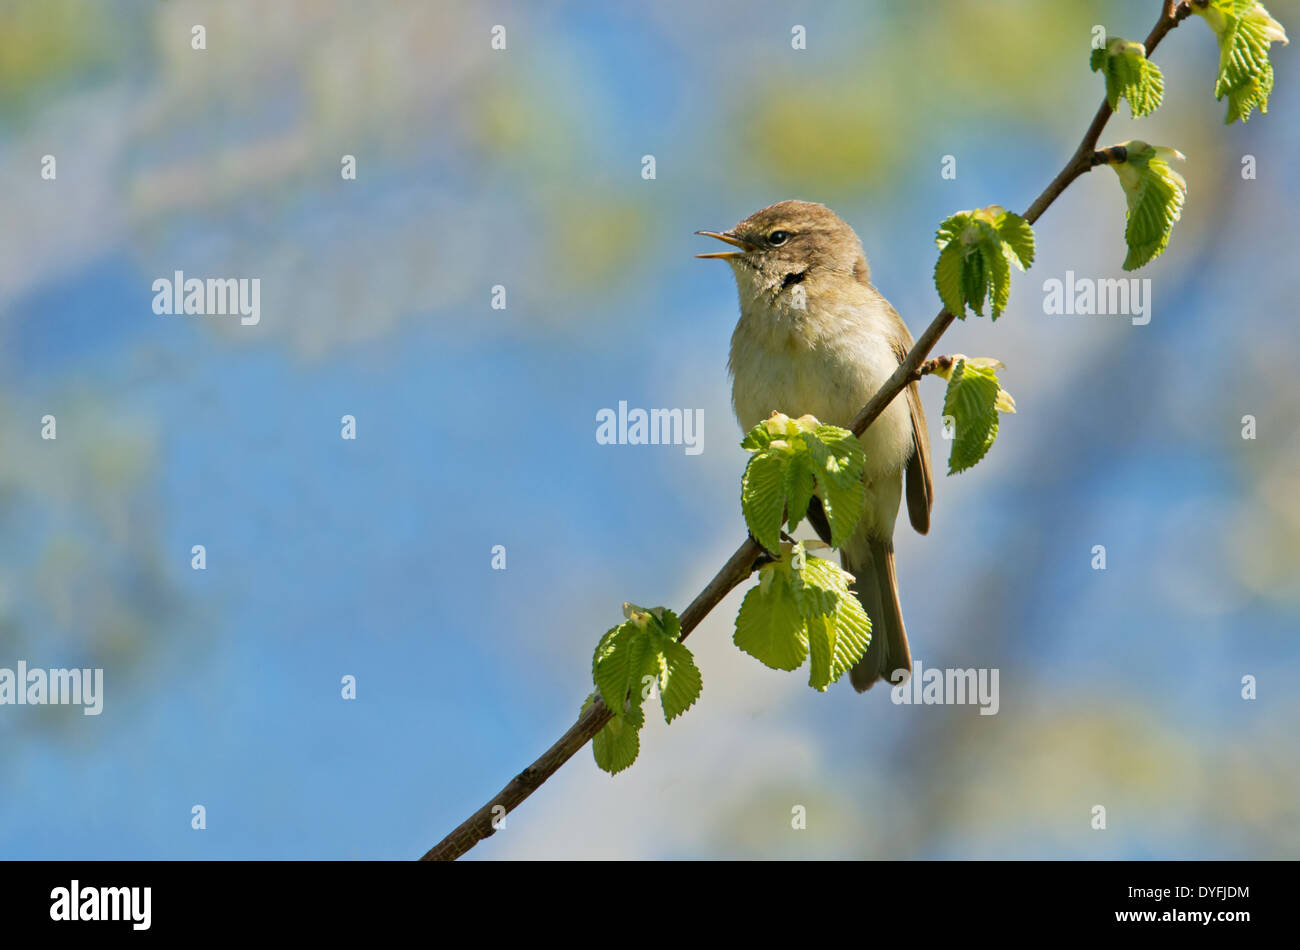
x,y
483,823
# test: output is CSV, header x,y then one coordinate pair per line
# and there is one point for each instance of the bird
x,y
815,337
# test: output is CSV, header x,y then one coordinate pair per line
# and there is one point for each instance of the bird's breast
x,y
823,361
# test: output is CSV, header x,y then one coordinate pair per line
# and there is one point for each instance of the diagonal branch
x,y
484,822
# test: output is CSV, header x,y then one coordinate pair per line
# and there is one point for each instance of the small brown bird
x,y
815,336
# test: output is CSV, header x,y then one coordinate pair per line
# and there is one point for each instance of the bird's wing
x,y
920,477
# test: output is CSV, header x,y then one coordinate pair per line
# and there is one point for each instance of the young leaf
x,y
800,483
802,607
613,664
835,617
852,632
975,277
762,497
793,458
948,279
998,263
1155,195
821,646
975,251
645,645
837,466
973,399
679,679
845,458
1245,30
1129,75
616,746
1017,237
668,622
769,626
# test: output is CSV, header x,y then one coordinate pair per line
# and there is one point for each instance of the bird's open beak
x,y
730,238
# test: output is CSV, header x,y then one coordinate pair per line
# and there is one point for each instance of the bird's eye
x,y
777,238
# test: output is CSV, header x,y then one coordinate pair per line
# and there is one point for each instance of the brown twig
x,y
484,822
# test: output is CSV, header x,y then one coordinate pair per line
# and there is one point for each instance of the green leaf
x,y
802,607
1129,75
1017,237
818,604
668,622
757,438
836,617
769,626
800,483
762,498
1155,194
616,746
948,280
838,470
642,663
679,679
973,400
612,665
975,279
1244,30
793,459
821,646
846,449
976,251
997,263
852,633
645,645
1143,85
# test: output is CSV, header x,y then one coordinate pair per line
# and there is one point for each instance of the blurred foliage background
x,y
476,427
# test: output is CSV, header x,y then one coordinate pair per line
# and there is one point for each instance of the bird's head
x,y
790,242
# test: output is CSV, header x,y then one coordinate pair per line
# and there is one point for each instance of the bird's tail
x,y
871,561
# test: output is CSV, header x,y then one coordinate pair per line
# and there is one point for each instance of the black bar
x,y
926,899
